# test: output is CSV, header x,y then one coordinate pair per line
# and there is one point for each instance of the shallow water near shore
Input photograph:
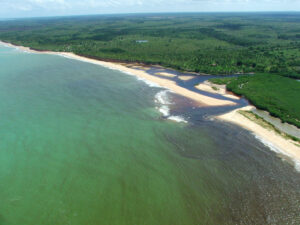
x,y
82,144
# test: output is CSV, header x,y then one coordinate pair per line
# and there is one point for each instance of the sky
x,y
37,8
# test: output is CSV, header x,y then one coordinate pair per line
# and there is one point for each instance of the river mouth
x,y
82,144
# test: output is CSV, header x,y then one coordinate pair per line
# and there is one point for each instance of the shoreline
x,y
269,138
164,83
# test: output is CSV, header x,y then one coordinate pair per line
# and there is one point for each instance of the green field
x,y
276,94
214,43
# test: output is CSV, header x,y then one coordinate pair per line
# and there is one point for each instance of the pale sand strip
x,y
171,85
284,146
220,89
136,66
160,81
165,74
186,78
280,145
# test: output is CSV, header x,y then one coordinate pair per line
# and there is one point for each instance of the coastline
x,y
140,73
268,137
277,143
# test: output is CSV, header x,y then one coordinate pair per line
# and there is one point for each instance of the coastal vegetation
x,y
214,43
265,124
267,44
278,95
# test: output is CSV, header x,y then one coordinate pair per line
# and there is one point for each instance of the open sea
x,y
81,144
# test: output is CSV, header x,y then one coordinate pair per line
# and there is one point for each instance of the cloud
x,y
12,8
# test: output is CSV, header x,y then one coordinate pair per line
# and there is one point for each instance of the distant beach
x,y
268,137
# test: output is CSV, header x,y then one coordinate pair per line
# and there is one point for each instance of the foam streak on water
x,y
149,83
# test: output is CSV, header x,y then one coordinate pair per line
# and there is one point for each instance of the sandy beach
x,y
204,100
273,140
141,73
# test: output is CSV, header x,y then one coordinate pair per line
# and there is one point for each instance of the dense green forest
x,y
276,94
214,43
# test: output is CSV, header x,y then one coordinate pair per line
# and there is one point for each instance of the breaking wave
x,y
278,151
163,101
149,83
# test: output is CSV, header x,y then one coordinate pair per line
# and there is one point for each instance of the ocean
x,y
81,144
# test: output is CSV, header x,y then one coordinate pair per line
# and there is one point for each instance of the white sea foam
x,y
178,119
163,100
25,51
268,144
164,110
68,57
149,83
297,165
16,48
5,44
279,151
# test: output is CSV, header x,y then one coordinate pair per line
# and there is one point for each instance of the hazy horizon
x,y
141,13
48,8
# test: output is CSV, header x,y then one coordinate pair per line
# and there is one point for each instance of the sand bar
x,y
219,89
186,78
165,74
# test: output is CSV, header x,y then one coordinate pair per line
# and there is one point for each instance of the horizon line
x,y
140,13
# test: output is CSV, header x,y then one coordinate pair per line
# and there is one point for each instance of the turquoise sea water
x,y
85,145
